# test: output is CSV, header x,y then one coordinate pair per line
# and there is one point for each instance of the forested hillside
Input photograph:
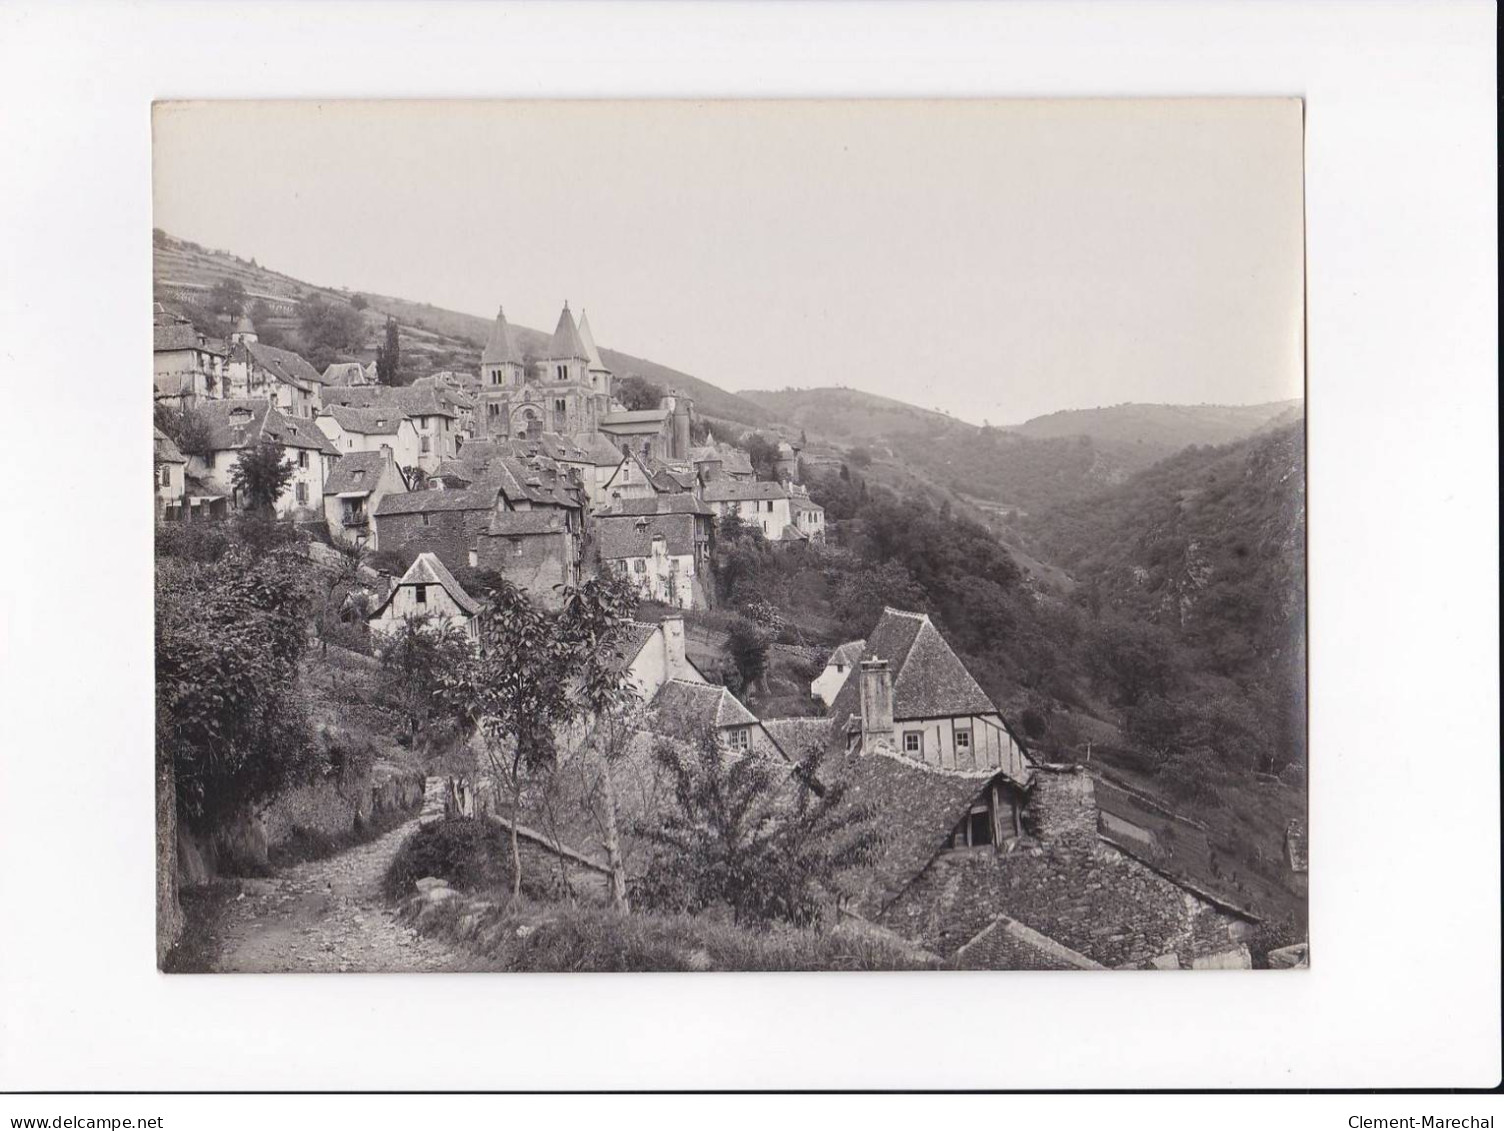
x,y
1139,434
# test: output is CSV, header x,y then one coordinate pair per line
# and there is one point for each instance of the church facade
x,y
569,392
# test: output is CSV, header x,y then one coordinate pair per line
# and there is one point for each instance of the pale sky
x,y
995,260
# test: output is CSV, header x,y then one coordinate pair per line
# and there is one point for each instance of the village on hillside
x,y
526,652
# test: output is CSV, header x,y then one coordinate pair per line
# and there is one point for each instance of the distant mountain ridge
x,y
1159,430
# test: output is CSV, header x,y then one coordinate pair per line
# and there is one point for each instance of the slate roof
x,y
513,524
915,808
499,345
344,373
356,471
668,503
240,422
722,491
550,444
849,653
479,498
626,536
802,503
644,422
381,421
174,336
592,354
682,709
566,343
929,680
413,400
163,448
281,364
597,449
795,736
427,569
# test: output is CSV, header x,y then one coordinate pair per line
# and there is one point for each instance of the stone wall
x,y
1065,882
450,534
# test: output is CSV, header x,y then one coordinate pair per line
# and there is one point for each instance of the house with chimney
x,y
654,654
353,491
433,412
429,591
242,423
536,550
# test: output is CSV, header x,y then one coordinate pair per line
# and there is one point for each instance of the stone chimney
x,y
675,662
877,703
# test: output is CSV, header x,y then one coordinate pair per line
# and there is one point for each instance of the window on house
x,y
420,594
517,547
639,565
428,520
427,445
302,494
963,740
302,459
913,742
740,738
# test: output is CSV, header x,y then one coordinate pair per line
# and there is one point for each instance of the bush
x,y
472,854
204,542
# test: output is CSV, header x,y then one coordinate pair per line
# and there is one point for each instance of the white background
x,y
1403,536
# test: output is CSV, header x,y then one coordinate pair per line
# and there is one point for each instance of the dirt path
x,y
325,916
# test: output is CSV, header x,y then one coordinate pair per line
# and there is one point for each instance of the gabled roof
x,y
240,422
174,336
163,448
669,503
550,444
683,709
929,680
637,416
480,498
795,736
803,503
344,373
727,491
427,569
566,343
849,653
916,806
592,355
734,461
626,536
358,471
282,364
378,421
499,345
412,399
597,449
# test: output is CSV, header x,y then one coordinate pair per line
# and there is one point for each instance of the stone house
x,y
911,691
187,367
631,479
353,491
843,661
382,428
536,550
661,553
171,479
428,590
256,370
807,516
447,523
763,506
683,709
236,425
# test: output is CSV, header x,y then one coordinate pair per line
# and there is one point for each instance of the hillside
x,y
432,337
1139,434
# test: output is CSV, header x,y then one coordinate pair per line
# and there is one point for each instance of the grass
x,y
528,937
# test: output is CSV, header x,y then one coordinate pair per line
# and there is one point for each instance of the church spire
x,y
499,347
565,345
592,355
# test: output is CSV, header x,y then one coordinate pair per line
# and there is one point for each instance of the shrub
x,y
472,854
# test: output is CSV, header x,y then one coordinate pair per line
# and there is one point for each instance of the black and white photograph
x,y
712,536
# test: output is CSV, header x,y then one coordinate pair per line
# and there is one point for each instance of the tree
x,y
359,301
748,645
515,691
228,297
859,456
261,474
763,454
388,356
748,833
329,330
229,635
637,393
416,655
593,626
